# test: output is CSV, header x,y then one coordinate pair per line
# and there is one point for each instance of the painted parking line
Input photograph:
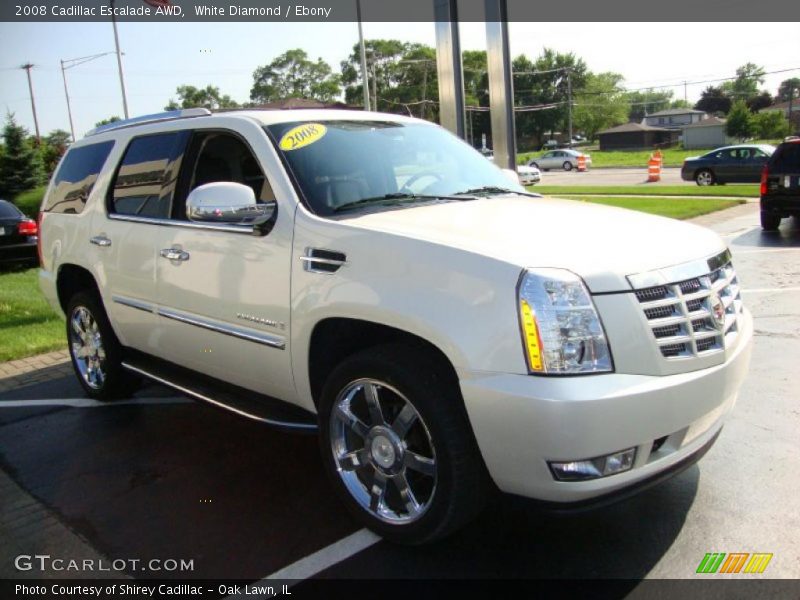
x,y
317,562
770,290
88,403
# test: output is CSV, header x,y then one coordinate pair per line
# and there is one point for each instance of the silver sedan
x,y
559,159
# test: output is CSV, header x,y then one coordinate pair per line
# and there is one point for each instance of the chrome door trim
x,y
204,398
246,229
133,303
266,339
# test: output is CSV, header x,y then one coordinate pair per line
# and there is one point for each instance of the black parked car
x,y
18,236
731,164
780,185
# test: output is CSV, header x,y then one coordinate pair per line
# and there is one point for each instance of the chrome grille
x,y
681,314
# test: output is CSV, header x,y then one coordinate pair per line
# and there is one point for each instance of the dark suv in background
x,y
780,185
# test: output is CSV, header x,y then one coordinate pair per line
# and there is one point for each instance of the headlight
x,y
561,330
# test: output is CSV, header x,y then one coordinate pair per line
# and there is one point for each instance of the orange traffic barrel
x,y
653,169
581,162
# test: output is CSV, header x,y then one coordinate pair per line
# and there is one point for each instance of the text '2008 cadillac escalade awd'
x,y
374,278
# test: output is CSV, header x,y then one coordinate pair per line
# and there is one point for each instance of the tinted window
x,y
8,210
786,158
146,178
74,180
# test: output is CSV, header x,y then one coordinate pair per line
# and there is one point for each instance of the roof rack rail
x,y
169,115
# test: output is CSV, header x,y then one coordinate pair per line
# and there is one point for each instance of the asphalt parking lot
x,y
164,477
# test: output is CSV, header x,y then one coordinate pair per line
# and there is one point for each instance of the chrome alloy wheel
x,y
383,451
705,178
87,347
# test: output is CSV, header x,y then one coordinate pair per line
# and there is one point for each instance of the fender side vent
x,y
317,260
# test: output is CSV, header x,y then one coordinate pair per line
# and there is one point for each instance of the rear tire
x,y
95,350
567,165
770,222
410,470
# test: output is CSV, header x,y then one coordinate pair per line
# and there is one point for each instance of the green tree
x,y
208,97
544,81
293,75
714,100
602,104
645,102
53,146
748,77
787,88
740,121
384,72
20,166
761,100
108,121
771,124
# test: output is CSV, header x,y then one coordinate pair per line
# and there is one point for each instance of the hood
x,y
601,244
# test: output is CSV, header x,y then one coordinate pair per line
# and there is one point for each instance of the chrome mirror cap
x,y
227,202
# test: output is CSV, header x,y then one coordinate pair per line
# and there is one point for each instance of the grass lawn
x,y
677,208
30,201
28,325
738,191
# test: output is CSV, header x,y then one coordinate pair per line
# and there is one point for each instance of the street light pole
x,y
364,82
27,67
119,61
569,97
66,94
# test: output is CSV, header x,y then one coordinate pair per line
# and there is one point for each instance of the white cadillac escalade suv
x,y
375,278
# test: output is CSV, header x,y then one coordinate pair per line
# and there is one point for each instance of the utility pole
x,y
27,67
364,78
425,90
569,97
66,94
119,62
374,84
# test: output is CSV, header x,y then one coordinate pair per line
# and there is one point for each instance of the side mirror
x,y
229,203
512,175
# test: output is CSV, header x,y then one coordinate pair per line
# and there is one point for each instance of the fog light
x,y
594,468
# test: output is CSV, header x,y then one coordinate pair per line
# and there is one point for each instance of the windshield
x,y
338,163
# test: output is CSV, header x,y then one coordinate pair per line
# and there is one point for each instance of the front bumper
x,y
521,422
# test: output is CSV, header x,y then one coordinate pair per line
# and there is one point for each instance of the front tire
x,y
397,445
704,177
770,222
95,350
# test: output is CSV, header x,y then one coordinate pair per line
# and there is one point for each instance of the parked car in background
x,y
729,164
528,175
559,159
18,235
780,185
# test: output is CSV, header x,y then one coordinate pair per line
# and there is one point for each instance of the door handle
x,y
174,254
100,240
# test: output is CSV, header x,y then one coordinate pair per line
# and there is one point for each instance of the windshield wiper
x,y
397,196
494,189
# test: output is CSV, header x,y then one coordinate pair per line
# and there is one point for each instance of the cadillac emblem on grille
x,y
717,310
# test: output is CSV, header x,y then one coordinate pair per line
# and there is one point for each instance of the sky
x,y
158,57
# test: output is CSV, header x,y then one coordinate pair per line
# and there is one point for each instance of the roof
x,y
630,127
709,122
676,111
784,105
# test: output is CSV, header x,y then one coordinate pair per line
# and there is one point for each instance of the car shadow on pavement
x,y
514,539
787,236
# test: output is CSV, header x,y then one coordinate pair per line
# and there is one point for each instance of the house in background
x,y
674,118
634,136
708,133
784,108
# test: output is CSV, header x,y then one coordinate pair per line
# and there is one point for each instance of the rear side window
x,y
75,178
145,181
786,158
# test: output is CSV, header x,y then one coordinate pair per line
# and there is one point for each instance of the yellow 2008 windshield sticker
x,y
302,136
